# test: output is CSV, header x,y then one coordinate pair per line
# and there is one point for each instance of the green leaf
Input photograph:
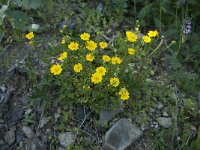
x,y
18,15
17,2
18,18
35,4
31,4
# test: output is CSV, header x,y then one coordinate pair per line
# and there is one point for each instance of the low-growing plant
x,y
86,69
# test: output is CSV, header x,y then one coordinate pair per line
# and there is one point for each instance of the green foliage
x,y
180,64
78,87
75,148
196,143
18,18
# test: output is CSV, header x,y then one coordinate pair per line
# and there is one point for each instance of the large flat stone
x,y
122,134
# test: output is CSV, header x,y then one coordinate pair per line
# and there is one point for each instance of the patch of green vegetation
x,y
151,77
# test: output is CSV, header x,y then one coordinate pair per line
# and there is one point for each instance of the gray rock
x,y
28,132
121,135
165,114
100,7
10,136
107,114
61,148
16,68
44,121
57,115
24,99
33,144
4,147
3,88
160,105
165,122
144,126
19,136
7,96
15,116
152,110
1,142
66,138
48,131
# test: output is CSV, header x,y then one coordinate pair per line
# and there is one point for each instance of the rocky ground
x,y
27,127
29,123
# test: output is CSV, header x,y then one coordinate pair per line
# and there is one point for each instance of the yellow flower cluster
x,y
63,56
146,39
78,67
97,77
132,37
114,82
96,49
124,94
131,51
153,33
56,69
63,41
106,58
103,45
101,70
90,57
91,45
150,34
116,60
30,35
73,46
85,36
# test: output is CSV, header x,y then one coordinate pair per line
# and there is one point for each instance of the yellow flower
x,y
116,60
101,70
103,45
153,33
91,45
105,58
63,41
85,36
132,37
56,69
62,56
90,57
96,78
131,51
146,39
124,94
114,82
30,35
73,46
78,67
